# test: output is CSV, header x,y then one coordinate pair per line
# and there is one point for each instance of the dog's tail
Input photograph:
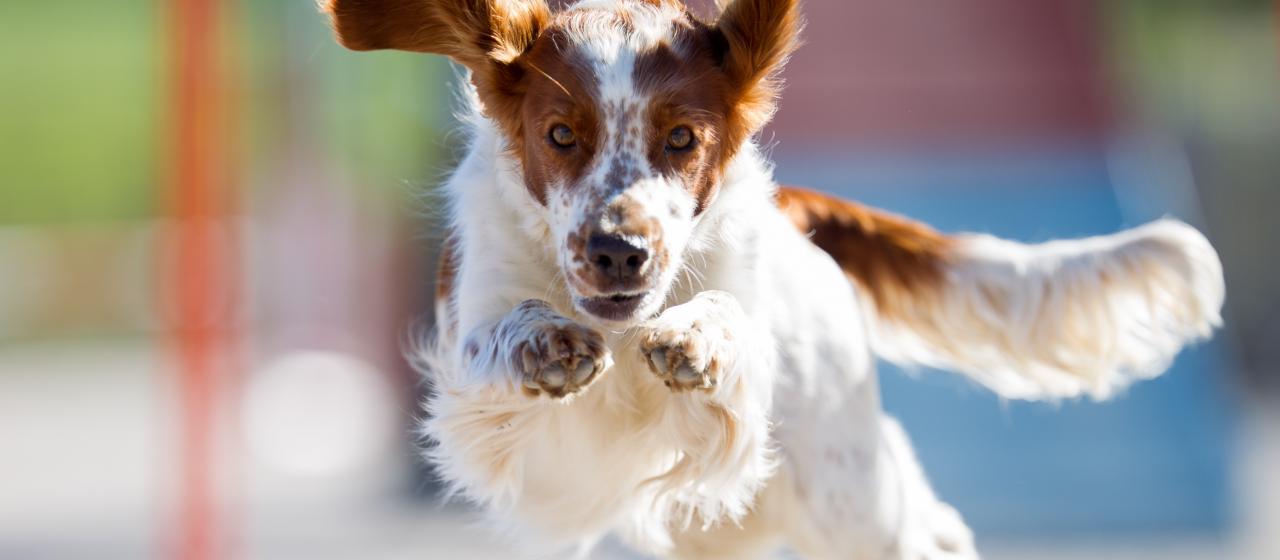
x,y
1057,319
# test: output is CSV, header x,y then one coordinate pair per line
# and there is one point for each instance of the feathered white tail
x,y
1057,319
1064,318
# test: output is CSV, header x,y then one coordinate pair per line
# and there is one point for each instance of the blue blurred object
x,y
1155,460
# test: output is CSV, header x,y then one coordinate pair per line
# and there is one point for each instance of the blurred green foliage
x,y
84,105
1208,65
78,94
374,122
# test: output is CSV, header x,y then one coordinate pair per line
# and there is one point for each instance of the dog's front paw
x,y
680,360
686,346
557,356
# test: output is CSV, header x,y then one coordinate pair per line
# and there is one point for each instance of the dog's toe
x,y
554,376
584,372
657,359
675,361
686,374
562,361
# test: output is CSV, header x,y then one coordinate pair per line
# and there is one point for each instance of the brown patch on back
x,y
896,260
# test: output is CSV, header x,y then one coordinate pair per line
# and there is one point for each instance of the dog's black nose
x,y
616,258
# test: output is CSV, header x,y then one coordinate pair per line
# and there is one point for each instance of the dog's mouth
x,y
616,307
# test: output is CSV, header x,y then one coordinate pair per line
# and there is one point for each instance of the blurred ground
x,y
85,425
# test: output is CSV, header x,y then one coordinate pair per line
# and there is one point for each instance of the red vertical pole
x,y
197,269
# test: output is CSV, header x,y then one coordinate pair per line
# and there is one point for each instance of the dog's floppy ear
x,y
759,36
476,33
486,36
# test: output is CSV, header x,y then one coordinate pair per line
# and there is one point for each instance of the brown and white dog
x,y
642,334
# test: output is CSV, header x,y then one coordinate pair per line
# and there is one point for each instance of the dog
x,y
641,334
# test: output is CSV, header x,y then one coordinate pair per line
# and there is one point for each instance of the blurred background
x,y
216,235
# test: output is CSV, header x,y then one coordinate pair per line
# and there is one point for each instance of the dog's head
x,y
623,113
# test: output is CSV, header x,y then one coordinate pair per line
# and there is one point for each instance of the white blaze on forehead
x,y
610,35
615,26
621,192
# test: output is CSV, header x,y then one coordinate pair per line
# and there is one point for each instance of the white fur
x,y
1065,318
791,445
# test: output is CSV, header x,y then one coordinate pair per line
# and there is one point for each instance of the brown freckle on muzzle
x,y
623,251
623,172
577,244
629,218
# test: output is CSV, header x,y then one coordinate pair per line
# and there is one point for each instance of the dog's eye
x,y
562,136
680,138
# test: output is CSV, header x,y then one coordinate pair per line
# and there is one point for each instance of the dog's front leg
x,y
536,350
490,399
718,364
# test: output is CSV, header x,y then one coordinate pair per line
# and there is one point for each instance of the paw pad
x,y
680,360
561,360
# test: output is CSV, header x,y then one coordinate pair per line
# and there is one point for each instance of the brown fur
x,y
447,268
718,79
487,36
446,276
687,88
898,261
559,89
759,36
473,32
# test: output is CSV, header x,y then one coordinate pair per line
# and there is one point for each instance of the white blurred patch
x,y
316,413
